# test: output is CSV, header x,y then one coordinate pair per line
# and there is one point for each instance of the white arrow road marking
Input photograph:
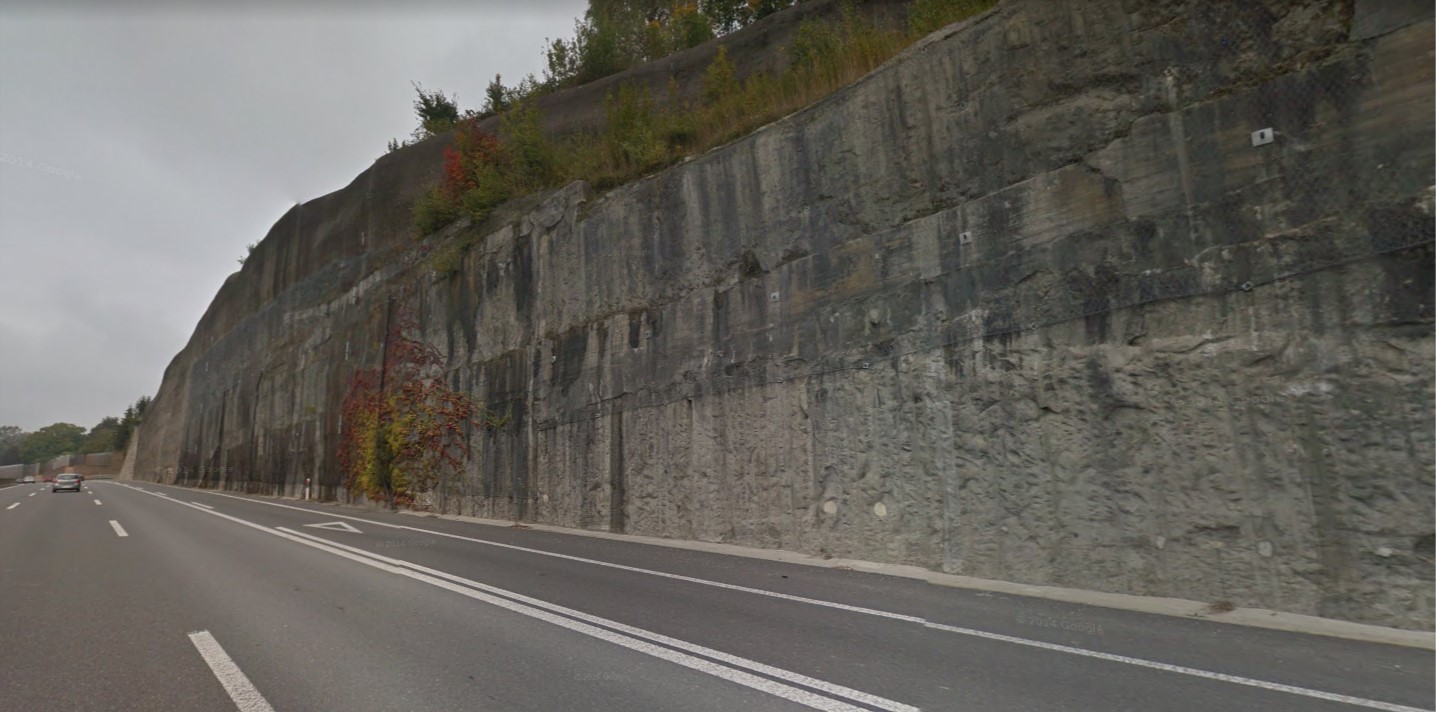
x,y
336,526
119,530
235,682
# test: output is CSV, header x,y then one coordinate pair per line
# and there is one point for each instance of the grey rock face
x,y
1026,303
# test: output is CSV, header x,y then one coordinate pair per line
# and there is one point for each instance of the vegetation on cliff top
x,y
612,35
481,170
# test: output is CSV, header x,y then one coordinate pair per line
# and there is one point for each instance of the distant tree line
x,y
111,434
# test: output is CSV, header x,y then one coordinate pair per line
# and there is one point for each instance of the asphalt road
x,y
211,601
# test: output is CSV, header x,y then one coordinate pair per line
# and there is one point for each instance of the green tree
x,y
52,441
134,414
601,47
11,433
437,112
612,36
11,436
126,428
101,438
726,15
496,97
561,63
689,27
719,80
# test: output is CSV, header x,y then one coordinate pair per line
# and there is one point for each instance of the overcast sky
x,y
146,146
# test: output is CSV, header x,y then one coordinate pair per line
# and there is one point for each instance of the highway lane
x,y
84,623
487,553
316,630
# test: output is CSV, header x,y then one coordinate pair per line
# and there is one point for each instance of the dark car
x,y
66,482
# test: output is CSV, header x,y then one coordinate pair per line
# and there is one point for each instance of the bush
x,y
434,209
449,259
813,43
532,159
719,80
489,190
632,138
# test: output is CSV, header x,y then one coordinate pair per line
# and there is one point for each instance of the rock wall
x,y
1026,303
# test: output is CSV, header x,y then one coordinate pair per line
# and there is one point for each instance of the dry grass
x,y
1221,607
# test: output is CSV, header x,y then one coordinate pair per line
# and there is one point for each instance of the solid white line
x,y
235,682
197,504
13,505
119,530
635,569
97,501
771,687
830,688
1275,686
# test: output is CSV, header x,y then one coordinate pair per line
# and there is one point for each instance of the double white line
x,y
783,674
779,682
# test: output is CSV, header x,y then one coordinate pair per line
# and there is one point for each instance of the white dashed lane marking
x,y
246,697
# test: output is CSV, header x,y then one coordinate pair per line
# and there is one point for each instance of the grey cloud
x,y
145,144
